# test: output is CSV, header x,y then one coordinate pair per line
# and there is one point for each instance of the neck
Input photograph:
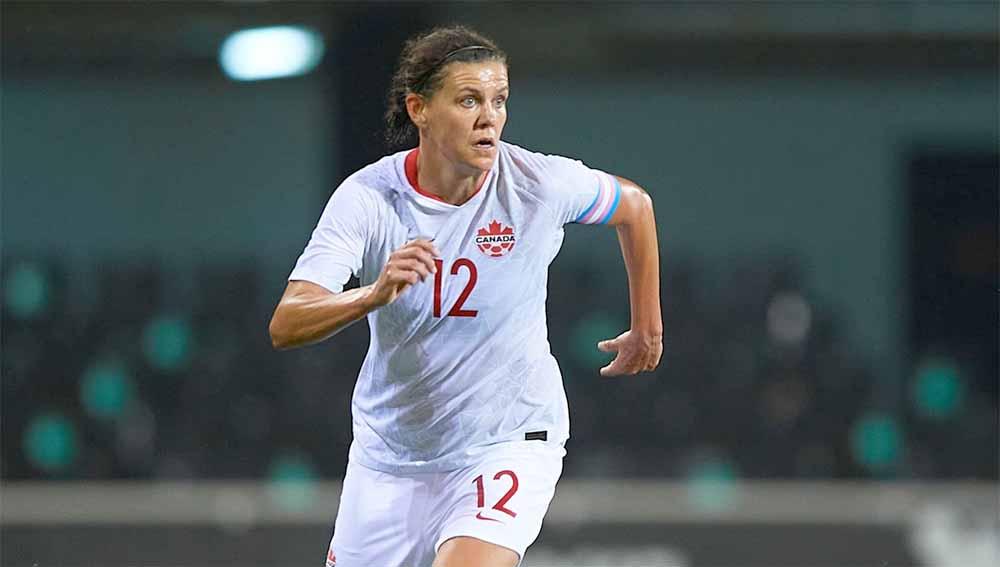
x,y
441,178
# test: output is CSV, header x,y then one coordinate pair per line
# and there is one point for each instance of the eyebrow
x,y
505,88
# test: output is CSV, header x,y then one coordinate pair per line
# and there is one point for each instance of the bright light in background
x,y
293,481
106,389
50,442
713,485
270,53
26,291
789,318
938,389
167,343
877,442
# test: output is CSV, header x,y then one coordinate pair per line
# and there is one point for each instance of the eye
x,y
468,102
500,101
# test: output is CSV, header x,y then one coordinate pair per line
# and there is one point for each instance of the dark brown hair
x,y
421,70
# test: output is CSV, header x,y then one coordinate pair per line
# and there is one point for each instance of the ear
x,y
415,107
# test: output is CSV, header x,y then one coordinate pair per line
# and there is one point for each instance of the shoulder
x,y
528,162
540,172
362,201
542,167
372,185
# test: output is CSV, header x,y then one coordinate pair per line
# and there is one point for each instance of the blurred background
x,y
825,176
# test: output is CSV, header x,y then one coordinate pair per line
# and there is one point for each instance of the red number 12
x,y
456,310
501,504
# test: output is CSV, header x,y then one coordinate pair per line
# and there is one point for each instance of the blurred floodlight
x,y
877,442
712,485
938,389
106,389
167,342
270,53
26,291
50,442
293,481
788,318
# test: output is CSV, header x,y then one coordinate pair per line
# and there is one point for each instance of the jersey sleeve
x,y
581,194
337,245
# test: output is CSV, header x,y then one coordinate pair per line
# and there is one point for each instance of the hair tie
x,y
427,74
459,50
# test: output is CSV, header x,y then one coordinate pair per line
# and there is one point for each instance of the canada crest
x,y
495,240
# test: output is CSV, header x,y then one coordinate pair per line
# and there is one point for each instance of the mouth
x,y
484,143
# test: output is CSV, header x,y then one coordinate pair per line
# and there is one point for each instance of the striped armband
x,y
609,192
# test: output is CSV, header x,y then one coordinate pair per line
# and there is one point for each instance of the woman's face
x,y
464,118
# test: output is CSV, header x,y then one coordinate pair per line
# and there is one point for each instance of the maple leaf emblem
x,y
495,239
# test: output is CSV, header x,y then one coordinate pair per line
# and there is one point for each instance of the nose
x,y
488,116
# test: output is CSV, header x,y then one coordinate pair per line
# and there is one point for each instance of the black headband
x,y
430,72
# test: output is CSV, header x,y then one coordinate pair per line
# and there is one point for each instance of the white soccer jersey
x,y
460,361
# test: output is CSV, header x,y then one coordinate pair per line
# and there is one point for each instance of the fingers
x,y
422,251
412,265
634,354
612,369
400,279
615,344
421,244
616,366
402,273
607,346
408,265
621,365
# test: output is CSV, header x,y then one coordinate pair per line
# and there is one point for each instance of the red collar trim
x,y
410,167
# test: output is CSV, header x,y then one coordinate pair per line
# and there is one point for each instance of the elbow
x,y
280,338
643,201
638,204
646,206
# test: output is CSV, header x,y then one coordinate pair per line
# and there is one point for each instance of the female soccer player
x,y
459,413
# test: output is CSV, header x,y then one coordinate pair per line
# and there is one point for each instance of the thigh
x,y
461,551
382,520
500,500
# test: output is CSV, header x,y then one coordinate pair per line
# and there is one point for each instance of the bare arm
x,y
639,349
309,313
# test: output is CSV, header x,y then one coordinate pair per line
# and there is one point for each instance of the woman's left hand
x,y
636,352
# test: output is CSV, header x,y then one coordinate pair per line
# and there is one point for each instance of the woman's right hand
x,y
409,264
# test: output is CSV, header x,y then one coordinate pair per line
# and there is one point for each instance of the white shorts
x,y
400,520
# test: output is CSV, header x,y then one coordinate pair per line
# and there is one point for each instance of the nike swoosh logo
x,y
480,516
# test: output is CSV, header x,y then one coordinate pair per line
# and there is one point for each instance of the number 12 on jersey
x,y
456,309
